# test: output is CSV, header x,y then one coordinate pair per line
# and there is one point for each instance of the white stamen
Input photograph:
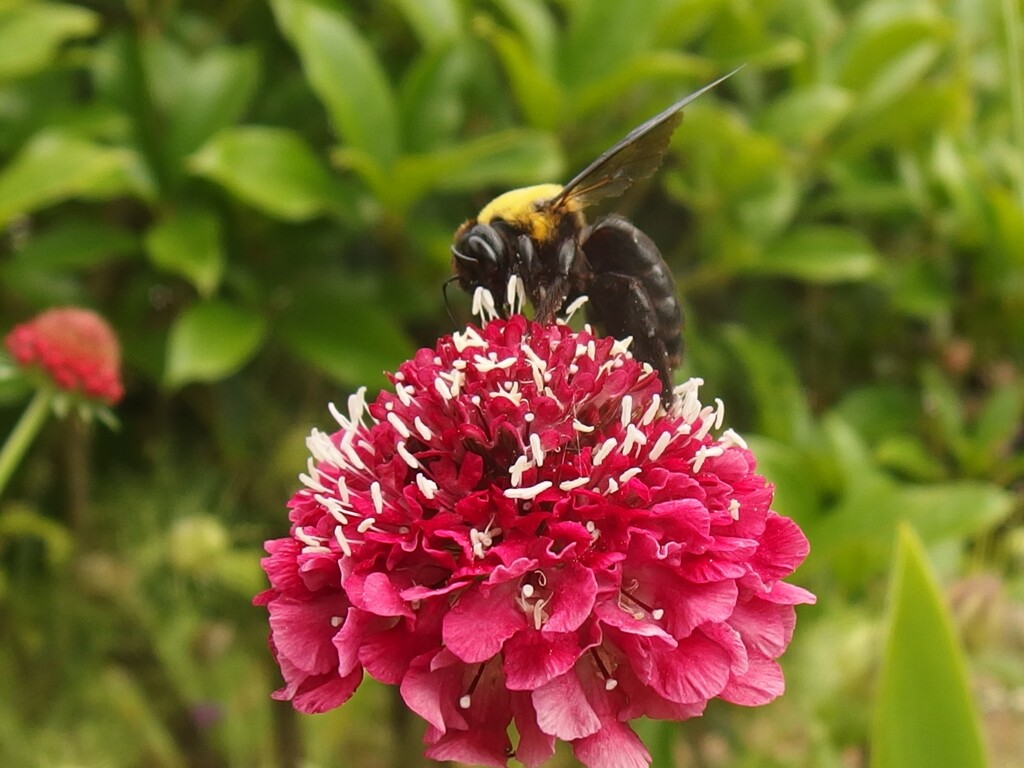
x,y
633,437
337,621
399,425
579,426
527,591
309,540
621,346
571,485
378,497
734,509
407,457
660,445
343,489
365,524
404,395
707,422
573,308
611,684
442,388
613,486
703,453
422,428
652,410
528,493
627,409
528,417
719,412
606,447
342,421
629,474
356,405
536,449
465,701
658,614
516,470
427,486
730,438
310,482
339,536
591,350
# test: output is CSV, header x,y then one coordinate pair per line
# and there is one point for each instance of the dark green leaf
x,y
538,94
274,170
431,98
76,243
209,341
924,715
602,37
345,334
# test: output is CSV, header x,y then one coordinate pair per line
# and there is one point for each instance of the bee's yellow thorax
x,y
523,207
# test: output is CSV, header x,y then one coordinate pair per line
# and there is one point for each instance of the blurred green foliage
x,y
260,197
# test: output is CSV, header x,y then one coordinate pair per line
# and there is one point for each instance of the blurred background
x,y
260,198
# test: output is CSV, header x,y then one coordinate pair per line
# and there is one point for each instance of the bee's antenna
x,y
447,304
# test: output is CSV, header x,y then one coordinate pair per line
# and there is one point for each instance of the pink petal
x,y
695,671
326,692
762,682
535,747
303,632
614,746
375,593
572,598
474,747
532,658
433,695
563,710
783,547
480,622
766,628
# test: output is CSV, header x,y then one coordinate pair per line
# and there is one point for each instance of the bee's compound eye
x,y
481,249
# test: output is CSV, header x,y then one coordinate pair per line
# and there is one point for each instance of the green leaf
x,y
22,520
274,170
999,421
344,332
537,93
955,510
924,715
31,35
504,159
187,242
820,254
435,22
783,412
534,23
602,36
76,243
215,92
431,97
343,70
54,166
210,341
806,115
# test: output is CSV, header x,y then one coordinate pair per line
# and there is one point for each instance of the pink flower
x,y
74,348
523,531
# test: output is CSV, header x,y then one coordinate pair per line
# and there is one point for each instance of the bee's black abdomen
x,y
633,292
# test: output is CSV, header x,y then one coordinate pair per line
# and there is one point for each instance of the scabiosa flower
x,y
73,348
524,532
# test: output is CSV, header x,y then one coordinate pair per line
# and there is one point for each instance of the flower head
x,y
524,531
74,348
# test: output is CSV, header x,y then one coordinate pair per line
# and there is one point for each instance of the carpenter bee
x,y
540,234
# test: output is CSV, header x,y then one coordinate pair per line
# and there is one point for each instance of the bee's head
x,y
481,256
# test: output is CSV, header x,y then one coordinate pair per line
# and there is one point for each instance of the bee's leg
x,y
551,297
621,306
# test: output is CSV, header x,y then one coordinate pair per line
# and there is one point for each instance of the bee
x,y
540,234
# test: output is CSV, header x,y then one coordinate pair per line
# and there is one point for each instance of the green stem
x,y
24,432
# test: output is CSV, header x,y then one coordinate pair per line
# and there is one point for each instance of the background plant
x,y
260,198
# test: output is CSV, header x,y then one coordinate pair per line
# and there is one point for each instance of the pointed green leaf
x,y
54,166
820,254
187,242
806,115
343,332
343,70
504,159
210,341
602,37
274,170
924,716
435,22
76,243
31,34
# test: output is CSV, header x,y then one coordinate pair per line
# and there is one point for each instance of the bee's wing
x,y
635,157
